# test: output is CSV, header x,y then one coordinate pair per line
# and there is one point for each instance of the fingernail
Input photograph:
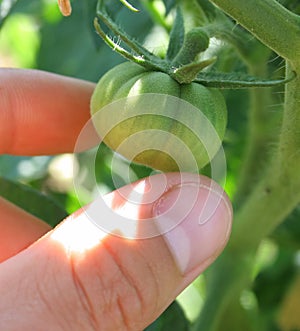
x,y
195,221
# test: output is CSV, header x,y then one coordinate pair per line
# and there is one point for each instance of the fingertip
x,y
195,219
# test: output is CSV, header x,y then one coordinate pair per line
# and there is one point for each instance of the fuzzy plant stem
x,y
270,22
281,182
263,122
277,193
271,201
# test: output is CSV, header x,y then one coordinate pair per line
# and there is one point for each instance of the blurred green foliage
x,y
35,35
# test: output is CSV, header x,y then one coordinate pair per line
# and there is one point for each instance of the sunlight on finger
x,y
78,235
106,216
81,231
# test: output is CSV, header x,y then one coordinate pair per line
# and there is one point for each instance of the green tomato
x,y
173,125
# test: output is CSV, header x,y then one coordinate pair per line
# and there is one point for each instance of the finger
x,y
41,113
18,229
80,277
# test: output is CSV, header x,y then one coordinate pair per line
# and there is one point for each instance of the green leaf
x,y
237,80
6,7
172,319
176,36
33,201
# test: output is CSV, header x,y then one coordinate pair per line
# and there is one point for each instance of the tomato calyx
x,y
182,59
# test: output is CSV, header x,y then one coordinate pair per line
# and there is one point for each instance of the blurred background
x,y
34,34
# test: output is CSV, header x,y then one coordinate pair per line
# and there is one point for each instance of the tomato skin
x,y
131,80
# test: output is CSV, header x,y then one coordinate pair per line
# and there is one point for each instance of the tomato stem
x,y
277,192
272,200
270,22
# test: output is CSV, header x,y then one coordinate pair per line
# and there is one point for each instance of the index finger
x,y
42,113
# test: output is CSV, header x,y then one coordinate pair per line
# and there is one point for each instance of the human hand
x,y
77,276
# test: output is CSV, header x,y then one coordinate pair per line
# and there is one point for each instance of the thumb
x,y
101,271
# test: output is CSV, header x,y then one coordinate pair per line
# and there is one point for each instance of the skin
x,y
56,279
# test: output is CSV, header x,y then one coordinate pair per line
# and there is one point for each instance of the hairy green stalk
x,y
263,124
270,22
271,201
289,147
277,192
263,116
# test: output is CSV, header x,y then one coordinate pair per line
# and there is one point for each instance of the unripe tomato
x,y
174,135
